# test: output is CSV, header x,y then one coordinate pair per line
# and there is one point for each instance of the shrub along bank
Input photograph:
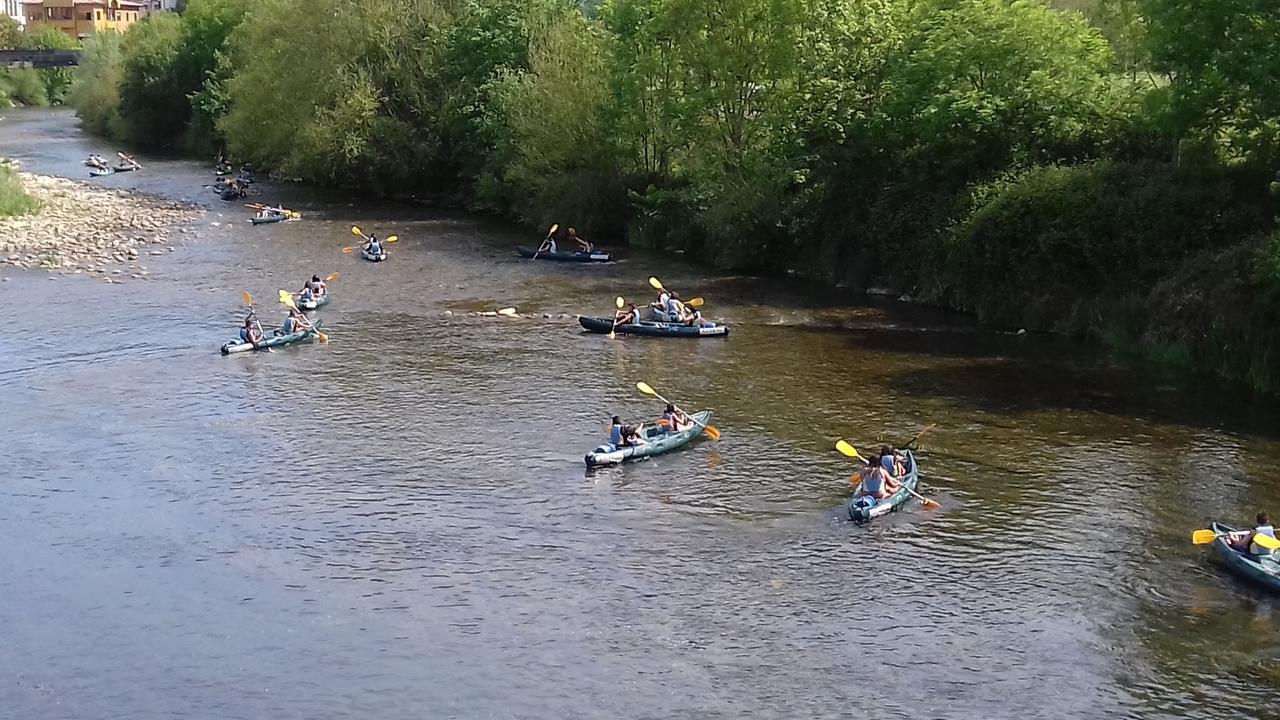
x,y
1034,166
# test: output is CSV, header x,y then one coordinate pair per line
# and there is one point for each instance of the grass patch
x,y
13,199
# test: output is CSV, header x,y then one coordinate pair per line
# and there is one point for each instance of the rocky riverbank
x,y
81,228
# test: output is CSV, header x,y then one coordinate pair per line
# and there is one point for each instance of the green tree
x,y
96,93
153,96
1222,59
57,81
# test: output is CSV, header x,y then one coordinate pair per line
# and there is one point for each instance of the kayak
x,y
99,172
582,257
863,507
268,219
371,257
235,346
658,440
1263,570
653,329
313,303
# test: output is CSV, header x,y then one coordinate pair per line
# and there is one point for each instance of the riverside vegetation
x,y
1104,168
34,87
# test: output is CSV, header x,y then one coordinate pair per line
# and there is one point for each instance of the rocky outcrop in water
x,y
81,228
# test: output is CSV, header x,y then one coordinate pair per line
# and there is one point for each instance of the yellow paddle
x,y
1203,537
287,299
348,250
248,300
618,303
656,284
849,451
711,432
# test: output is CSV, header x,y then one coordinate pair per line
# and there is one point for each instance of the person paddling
x,y
675,308
584,246
249,333
373,247
675,419
878,483
626,317
295,322
621,436
1261,527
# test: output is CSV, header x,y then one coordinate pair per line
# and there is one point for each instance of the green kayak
x,y
238,346
658,440
863,508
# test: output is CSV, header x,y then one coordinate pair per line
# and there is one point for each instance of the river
x,y
398,523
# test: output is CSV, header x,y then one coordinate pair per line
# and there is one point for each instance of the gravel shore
x,y
82,228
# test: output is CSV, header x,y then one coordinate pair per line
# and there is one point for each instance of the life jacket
x,y
1254,547
615,435
244,334
288,325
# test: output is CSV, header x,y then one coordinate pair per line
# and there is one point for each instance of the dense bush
x,y
1003,156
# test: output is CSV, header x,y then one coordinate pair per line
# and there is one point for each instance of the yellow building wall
x,y
80,22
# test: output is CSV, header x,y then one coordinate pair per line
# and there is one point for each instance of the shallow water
x,y
398,523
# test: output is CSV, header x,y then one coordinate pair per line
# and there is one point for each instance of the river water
x,y
398,524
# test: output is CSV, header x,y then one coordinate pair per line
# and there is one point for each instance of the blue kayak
x,y
581,257
1262,570
654,329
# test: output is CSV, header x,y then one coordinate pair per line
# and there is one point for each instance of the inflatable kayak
x,y
373,258
581,257
658,440
654,329
1262,570
268,219
863,507
236,346
312,304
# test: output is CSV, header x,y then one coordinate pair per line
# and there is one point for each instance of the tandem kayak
x,y
371,257
653,329
1263,570
235,346
268,219
582,257
313,303
863,508
658,440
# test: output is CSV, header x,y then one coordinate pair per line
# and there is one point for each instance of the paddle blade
x,y
613,335
348,250
1203,537
287,299
711,432
847,450
553,229
929,504
618,302
355,230
331,278
655,283
248,299
322,337
1267,541
696,302
391,239
644,388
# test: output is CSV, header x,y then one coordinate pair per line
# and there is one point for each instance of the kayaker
x,y
373,247
627,317
692,317
295,322
675,308
878,483
306,295
583,245
317,286
660,305
1261,527
249,333
623,435
548,244
675,419
892,462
